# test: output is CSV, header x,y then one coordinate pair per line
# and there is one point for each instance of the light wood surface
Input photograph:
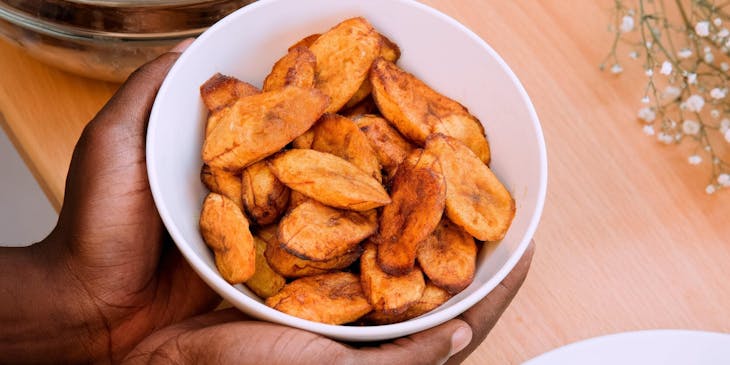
x,y
628,241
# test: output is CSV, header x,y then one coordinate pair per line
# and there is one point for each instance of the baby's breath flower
x,y
702,28
647,114
724,180
649,72
671,92
724,125
690,127
709,57
665,138
616,69
648,130
717,22
645,100
684,53
715,113
724,66
723,33
694,160
717,93
633,55
691,78
727,136
695,103
627,24
710,189
666,68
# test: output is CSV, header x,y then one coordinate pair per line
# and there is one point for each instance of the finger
x,y
433,346
483,316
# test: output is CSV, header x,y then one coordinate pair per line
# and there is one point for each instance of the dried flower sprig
x,y
685,46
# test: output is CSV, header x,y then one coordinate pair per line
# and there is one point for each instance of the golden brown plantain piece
x,y
418,111
475,198
313,231
339,136
246,135
344,56
225,230
448,257
291,266
264,197
304,141
222,182
418,194
334,298
387,293
306,41
328,179
366,106
296,198
265,282
389,145
296,68
432,297
389,51
221,91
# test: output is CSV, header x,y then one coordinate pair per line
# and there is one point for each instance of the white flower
x,y
671,92
723,33
717,93
647,114
724,180
703,28
724,125
684,53
717,22
725,66
694,160
616,69
690,127
648,130
710,189
709,57
666,68
633,55
727,136
627,24
649,44
649,72
645,100
665,138
695,103
707,49
715,113
692,78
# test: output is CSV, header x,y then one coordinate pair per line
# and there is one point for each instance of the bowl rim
x,y
360,333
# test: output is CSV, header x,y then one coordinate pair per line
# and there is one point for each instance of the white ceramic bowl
x,y
436,48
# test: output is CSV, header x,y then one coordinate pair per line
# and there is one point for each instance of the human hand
x,y
108,275
228,336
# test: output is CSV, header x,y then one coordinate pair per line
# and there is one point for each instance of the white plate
x,y
660,347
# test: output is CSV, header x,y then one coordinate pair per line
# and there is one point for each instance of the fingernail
x,y
460,339
183,45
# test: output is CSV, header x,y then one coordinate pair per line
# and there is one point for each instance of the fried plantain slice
x,y
296,198
264,197
432,297
334,298
328,179
306,41
344,56
225,230
387,293
418,111
418,194
389,51
304,141
475,198
245,135
222,182
448,257
340,136
295,68
265,282
221,91
389,145
313,231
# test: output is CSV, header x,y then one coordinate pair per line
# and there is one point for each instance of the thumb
x,y
433,346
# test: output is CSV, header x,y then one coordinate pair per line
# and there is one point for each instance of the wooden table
x,y
628,241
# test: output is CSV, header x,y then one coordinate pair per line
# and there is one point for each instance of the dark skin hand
x,y
108,285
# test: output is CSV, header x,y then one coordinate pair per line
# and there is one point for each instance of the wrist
x,y
45,314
